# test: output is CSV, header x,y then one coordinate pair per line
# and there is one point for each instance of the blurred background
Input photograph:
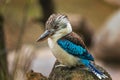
x,y
22,22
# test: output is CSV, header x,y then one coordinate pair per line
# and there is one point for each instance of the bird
x,y
68,48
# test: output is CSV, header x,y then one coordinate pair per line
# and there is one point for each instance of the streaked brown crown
x,y
54,20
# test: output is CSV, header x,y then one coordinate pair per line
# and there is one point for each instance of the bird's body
x,y
61,55
68,48
64,49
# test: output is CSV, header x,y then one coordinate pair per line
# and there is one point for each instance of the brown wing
x,y
73,37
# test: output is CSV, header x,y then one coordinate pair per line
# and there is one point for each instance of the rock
x,y
31,75
107,41
76,73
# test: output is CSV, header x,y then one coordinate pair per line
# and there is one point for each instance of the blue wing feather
x,y
74,49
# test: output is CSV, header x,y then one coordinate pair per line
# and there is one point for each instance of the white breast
x,y
61,55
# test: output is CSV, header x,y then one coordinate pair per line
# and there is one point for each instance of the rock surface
x,y
65,73
31,75
76,73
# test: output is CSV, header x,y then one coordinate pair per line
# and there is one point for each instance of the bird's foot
x,y
60,65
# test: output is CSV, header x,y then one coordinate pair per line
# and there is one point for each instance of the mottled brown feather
x,y
73,37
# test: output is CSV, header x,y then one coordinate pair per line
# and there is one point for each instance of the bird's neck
x,y
61,33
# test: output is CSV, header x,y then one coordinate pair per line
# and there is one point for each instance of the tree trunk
x,y
3,59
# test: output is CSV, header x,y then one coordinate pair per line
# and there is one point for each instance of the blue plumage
x,y
93,69
83,55
74,49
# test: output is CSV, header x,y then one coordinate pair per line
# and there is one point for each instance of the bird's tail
x,y
97,72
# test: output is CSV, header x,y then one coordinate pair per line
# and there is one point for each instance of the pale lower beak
x,y
44,36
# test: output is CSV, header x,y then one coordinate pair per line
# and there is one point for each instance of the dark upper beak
x,y
45,35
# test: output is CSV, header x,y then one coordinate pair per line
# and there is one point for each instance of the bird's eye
x,y
55,27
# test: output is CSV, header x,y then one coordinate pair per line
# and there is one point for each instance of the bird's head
x,y
57,26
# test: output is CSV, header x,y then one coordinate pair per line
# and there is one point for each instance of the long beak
x,y
45,35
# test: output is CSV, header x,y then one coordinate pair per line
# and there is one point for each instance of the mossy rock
x,y
31,75
75,73
65,73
